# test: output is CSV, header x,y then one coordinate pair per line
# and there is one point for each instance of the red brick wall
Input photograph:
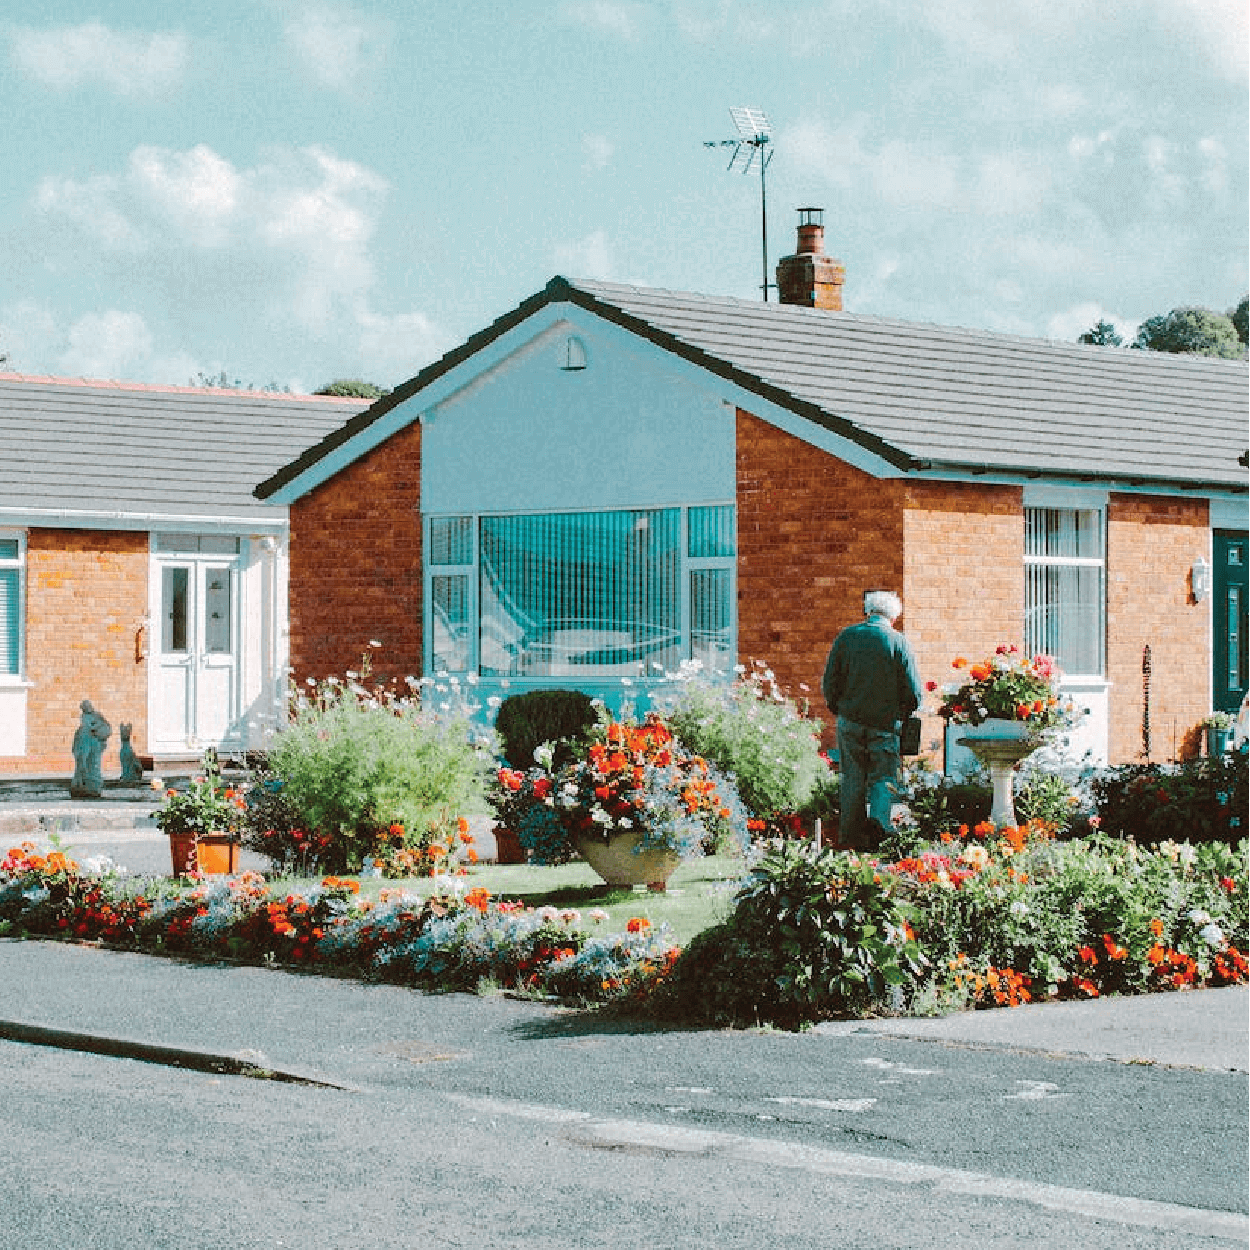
x,y
86,594
1152,543
813,534
963,585
355,560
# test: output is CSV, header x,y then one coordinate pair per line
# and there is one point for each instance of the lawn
x,y
700,893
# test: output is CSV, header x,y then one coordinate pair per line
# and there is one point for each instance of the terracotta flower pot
x,y
207,853
618,861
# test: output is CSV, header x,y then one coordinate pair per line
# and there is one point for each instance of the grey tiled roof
x,y
101,449
953,397
921,396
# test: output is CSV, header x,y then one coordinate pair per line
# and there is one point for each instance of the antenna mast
x,y
754,136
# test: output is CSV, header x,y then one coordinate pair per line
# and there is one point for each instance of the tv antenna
x,y
750,147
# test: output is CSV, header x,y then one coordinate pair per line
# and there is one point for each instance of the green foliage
x,y
1196,331
751,731
352,388
206,804
526,721
814,935
1104,334
1045,796
1240,317
371,772
1203,800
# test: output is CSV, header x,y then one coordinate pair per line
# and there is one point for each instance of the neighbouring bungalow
x,y
610,480
137,569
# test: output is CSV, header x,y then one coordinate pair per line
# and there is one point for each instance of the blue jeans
x,y
869,762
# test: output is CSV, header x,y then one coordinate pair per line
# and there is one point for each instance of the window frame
x,y
16,564
470,571
1097,562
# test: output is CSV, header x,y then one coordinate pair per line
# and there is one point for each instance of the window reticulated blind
x,y
10,607
1064,614
581,593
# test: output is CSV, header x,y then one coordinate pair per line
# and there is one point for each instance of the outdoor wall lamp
x,y
1200,579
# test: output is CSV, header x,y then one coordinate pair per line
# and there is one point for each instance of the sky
x,y
290,192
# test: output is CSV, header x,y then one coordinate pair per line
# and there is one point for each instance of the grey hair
x,y
883,603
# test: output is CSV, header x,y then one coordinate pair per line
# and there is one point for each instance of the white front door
x,y
195,652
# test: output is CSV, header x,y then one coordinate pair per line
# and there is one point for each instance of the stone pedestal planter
x,y
1000,745
619,861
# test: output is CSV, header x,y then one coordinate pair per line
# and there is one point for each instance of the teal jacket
x,y
870,676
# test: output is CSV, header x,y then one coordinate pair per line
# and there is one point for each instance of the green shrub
x,y
370,775
813,936
751,731
525,721
1203,800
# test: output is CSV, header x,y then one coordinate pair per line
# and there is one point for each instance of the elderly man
x,y
871,686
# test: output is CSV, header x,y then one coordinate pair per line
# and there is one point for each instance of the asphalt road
x,y
489,1122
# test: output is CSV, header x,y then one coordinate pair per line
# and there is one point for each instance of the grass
x,y
700,893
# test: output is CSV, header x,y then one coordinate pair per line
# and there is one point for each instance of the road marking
x,y
669,1139
886,1065
1034,1091
828,1104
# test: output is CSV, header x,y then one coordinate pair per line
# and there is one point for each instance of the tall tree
x,y
1239,315
1104,334
1196,331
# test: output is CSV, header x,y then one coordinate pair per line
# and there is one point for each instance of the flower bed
x,y
984,917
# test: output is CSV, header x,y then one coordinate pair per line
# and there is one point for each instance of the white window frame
x,y
470,571
18,563
1073,502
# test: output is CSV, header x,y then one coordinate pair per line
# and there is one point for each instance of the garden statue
x,y
89,739
132,770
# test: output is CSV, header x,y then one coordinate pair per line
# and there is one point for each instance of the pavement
x,y
313,1027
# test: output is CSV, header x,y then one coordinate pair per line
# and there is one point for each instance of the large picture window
x,y
12,566
1064,596
620,593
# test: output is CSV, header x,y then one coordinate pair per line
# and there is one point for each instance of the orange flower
x,y
637,924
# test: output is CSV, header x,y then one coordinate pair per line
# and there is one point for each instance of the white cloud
x,y
589,257
1214,165
393,348
1069,324
336,42
198,191
106,345
1219,28
132,63
598,149
614,17
904,173
1010,184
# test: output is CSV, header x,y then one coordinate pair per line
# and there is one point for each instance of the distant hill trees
x,y
1193,331
352,388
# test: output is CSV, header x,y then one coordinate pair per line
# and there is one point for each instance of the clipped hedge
x,y
525,721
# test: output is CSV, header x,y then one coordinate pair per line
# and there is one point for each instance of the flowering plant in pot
x,y
205,815
632,785
1007,686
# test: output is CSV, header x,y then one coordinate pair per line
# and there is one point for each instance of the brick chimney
x,y
809,277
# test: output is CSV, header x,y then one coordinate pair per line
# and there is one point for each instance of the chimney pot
x,y
809,278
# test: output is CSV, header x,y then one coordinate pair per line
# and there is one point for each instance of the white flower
x,y
1019,908
548,915
598,915
1214,937
1198,917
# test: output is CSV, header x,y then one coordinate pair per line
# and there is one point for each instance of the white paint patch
x,y
688,1089
1088,1203
885,1065
829,1104
1034,1091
